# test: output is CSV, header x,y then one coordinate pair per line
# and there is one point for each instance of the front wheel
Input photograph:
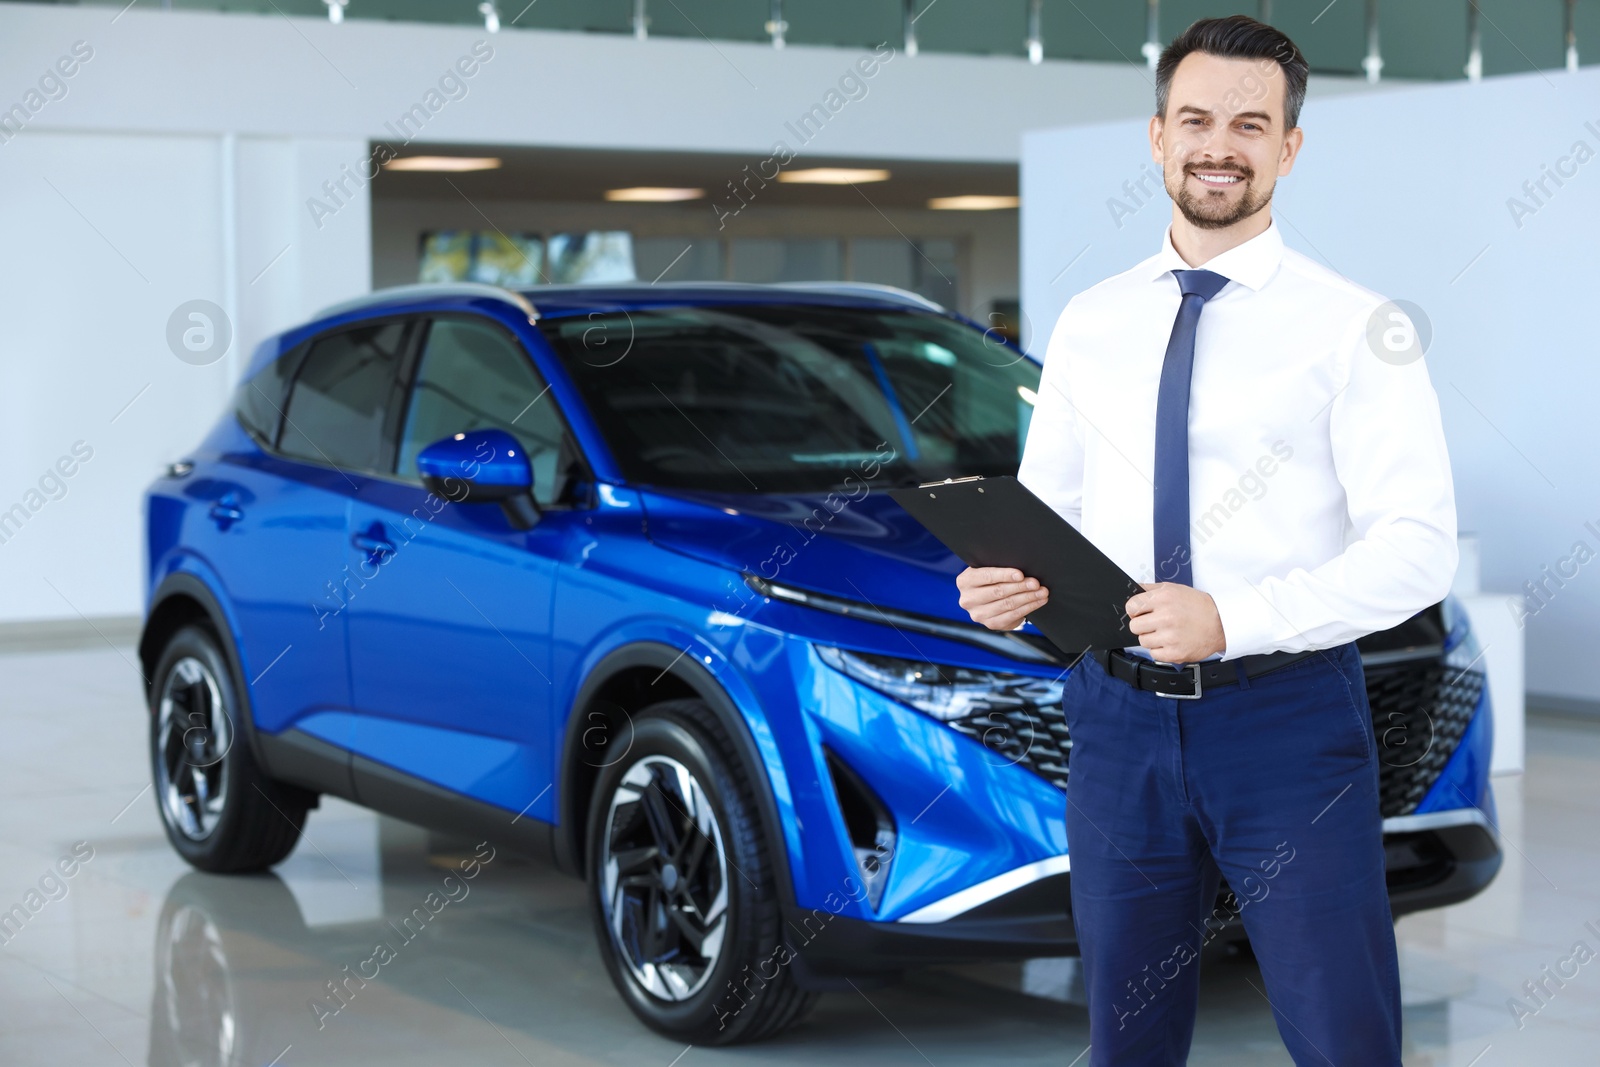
x,y
220,812
682,887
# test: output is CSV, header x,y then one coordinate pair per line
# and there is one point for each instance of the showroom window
x,y
336,410
678,259
515,260
765,260
519,260
472,376
930,267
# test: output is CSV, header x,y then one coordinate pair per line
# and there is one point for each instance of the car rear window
x,y
260,399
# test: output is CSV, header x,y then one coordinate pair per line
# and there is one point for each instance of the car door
x,y
450,634
281,513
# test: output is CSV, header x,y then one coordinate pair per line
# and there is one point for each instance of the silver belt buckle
x,y
1195,667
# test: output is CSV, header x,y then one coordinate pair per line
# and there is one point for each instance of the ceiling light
x,y
491,16
974,203
336,10
654,194
452,164
833,176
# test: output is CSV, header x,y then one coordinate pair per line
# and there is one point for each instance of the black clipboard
x,y
998,522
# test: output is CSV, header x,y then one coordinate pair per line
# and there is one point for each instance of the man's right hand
x,y
999,597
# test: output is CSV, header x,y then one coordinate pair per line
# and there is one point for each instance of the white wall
x,y
1407,193
106,235
91,269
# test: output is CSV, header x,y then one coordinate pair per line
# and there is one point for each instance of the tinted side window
x,y
336,410
473,376
259,401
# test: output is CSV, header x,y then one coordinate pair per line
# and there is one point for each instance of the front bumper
x,y
1438,859
979,866
1432,860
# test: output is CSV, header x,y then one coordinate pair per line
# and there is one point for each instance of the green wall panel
x,y
1521,35
1421,39
720,20
845,23
982,27
1333,38
1094,29
1177,15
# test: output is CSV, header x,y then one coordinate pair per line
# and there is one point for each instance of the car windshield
x,y
797,398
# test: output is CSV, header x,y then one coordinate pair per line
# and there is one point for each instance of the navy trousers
x,y
1271,784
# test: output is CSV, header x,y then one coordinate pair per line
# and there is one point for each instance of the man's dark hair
x,y
1238,37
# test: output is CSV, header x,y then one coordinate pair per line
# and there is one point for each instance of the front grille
x,y
1420,710
1032,735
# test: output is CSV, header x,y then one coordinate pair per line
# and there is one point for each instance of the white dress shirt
x,y
1321,503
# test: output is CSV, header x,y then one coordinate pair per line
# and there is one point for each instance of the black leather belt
x,y
1188,681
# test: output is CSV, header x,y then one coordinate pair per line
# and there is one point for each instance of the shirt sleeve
x,y
1389,454
1052,455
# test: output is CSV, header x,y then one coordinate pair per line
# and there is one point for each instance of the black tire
x,y
748,991
221,813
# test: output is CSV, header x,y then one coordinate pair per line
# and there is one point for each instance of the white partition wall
x,y
107,235
1480,204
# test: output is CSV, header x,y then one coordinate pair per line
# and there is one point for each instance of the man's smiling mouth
x,y
1219,179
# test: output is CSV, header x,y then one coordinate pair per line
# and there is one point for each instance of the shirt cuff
x,y
1249,623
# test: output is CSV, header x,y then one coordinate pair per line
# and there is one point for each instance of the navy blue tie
x,y
1172,429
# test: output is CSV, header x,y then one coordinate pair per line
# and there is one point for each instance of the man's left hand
x,y
1177,623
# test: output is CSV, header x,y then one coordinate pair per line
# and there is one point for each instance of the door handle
x,y
226,511
375,546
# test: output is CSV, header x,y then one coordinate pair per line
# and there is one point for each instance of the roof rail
x,y
901,296
400,293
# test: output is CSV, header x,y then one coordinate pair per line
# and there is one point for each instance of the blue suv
x,y
608,575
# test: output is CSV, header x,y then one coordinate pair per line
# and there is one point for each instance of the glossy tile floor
x,y
135,959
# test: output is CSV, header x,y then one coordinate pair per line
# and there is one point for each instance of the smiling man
x,y
1234,741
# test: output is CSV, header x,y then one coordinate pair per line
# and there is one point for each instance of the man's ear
x,y
1292,142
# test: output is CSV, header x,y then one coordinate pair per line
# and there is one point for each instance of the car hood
x,y
866,549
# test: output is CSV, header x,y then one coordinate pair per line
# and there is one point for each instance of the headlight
x,y
946,693
1467,650
1465,654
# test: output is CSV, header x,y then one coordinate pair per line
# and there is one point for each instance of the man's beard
x,y
1204,214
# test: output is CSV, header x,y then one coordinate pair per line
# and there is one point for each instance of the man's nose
x,y
1217,152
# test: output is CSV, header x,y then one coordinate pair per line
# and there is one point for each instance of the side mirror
x,y
482,466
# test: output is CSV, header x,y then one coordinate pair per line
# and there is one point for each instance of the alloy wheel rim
x,y
193,735
664,878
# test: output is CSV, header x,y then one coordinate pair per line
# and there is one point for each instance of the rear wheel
x,y
220,812
682,887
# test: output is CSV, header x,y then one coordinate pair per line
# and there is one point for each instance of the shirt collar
x,y
1250,264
